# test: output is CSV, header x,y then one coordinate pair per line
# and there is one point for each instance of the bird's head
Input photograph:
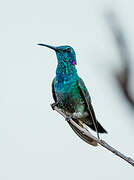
x,y
65,54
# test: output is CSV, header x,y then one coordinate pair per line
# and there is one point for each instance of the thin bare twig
x,y
85,132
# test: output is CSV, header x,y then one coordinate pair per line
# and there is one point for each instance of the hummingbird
x,y
71,95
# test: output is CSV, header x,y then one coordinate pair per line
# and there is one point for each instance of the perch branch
x,y
99,141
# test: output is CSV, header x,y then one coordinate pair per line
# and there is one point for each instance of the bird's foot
x,y
68,118
54,104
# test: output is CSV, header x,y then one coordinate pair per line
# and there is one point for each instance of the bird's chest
x,y
67,94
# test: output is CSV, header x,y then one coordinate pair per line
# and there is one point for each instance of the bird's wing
x,y
53,91
87,99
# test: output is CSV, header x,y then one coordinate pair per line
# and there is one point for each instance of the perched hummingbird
x,y
70,93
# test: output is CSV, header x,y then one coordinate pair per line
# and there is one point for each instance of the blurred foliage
x,y
123,75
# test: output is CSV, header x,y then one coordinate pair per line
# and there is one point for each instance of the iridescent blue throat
x,y
65,76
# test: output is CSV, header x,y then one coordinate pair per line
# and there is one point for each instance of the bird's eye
x,y
68,49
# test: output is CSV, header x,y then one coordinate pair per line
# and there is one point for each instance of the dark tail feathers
x,y
99,128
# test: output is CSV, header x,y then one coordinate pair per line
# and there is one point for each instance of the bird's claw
x,y
53,105
68,118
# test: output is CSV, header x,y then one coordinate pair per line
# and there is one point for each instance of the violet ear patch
x,y
73,63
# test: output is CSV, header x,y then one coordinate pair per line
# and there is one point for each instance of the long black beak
x,y
51,47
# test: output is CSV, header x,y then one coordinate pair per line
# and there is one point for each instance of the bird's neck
x,y
65,68
66,72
